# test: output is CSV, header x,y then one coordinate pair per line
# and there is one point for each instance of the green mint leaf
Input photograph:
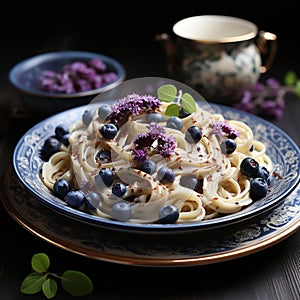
x,y
49,288
40,262
290,78
76,283
188,103
172,110
297,88
167,92
32,284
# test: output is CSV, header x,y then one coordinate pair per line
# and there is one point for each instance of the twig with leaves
x,y
73,282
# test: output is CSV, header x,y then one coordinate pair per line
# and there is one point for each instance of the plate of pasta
x,y
153,156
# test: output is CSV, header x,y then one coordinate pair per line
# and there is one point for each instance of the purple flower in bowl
x,y
55,81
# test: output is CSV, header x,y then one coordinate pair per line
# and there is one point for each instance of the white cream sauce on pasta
x,y
224,191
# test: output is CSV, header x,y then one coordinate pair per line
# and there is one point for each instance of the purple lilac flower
x,y
274,84
97,81
66,87
166,145
245,103
75,68
49,74
76,77
223,129
155,141
132,104
83,85
264,99
97,64
272,109
140,155
258,88
156,129
109,77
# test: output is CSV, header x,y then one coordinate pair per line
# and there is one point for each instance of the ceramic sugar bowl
x,y
219,56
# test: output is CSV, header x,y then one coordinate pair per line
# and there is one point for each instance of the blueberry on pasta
x,y
258,188
165,175
249,167
121,211
228,146
168,214
61,187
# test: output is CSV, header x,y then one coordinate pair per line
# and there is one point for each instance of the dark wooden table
x,y
269,274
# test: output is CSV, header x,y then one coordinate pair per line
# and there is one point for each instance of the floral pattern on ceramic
x,y
220,71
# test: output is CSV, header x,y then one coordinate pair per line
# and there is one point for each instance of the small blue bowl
x,y
24,76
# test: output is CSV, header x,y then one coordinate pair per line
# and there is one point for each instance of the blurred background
x,y
126,30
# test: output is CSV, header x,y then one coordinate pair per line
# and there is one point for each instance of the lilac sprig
x,y
155,141
221,129
131,105
264,99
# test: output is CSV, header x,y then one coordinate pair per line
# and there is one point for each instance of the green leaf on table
x,y
290,78
40,262
297,87
32,284
49,288
188,103
172,110
167,92
76,283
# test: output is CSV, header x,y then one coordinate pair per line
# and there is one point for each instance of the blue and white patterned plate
x,y
203,247
282,150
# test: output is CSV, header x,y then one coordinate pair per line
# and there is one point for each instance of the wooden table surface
x,y
269,274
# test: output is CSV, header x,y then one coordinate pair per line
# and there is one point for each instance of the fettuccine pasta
x,y
205,182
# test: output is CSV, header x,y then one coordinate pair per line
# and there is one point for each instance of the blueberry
x,y
65,139
174,123
165,175
258,188
75,198
249,167
264,173
87,117
109,131
193,134
121,211
61,187
119,189
60,131
50,146
168,214
183,113
104,111
228,146
103,156
155,117
191,182
104,177
148,166
92,200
